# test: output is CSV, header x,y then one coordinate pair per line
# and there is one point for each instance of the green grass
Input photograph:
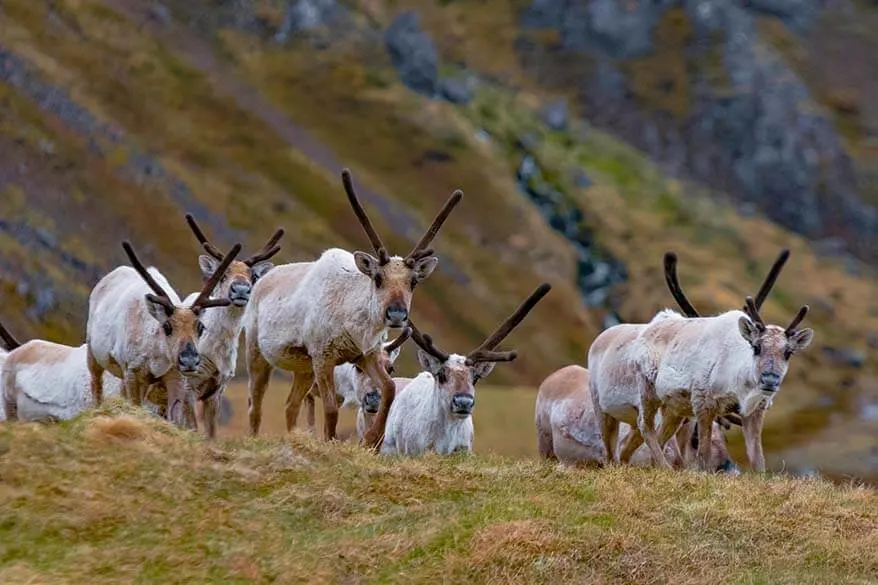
x,y
115,496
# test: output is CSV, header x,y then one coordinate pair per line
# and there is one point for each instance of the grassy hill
x,y
115,496
117,118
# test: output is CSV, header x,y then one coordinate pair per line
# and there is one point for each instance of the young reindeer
x,y
615,382
355,389
309,317
43,381
218,346
715,365
434,410
140,331
567,428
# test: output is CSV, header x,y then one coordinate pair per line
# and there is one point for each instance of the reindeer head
x,y
393,277
773,346
457,375
237,281
368,395
181,326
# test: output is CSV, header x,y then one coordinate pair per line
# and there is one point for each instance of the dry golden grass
x,y
163,506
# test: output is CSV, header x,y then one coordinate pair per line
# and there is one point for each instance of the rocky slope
x,y
120,115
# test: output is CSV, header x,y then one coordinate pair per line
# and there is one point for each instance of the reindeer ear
x,y
748,329
428,362
393,354
158,311
424,267
259,270
800,339
481,370
208,265
366,263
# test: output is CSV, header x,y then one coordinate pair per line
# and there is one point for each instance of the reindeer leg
x,y
609,427
134,386
310,416
379,377
259,371
649,407
705,420
97,378
632,442
753,439
323,374
302,383
670,425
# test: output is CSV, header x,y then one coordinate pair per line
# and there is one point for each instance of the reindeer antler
x,y
161,297
674,285
485,352
421,250
791,328
268,250
374,238
396,343
771,277
425,342
9,341
753,313
204,301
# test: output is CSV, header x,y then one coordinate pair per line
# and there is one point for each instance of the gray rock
x,y
555,114
798,14
581,179
306,15
413,54
455,91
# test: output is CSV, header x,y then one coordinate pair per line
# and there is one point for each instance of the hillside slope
x,y
118,116
115,496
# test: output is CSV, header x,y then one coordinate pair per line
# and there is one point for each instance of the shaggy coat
x,y
43,381
309,317
567,428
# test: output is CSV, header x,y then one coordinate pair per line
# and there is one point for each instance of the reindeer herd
x,y
671,386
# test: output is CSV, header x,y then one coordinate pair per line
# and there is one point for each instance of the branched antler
x,y
484,351
771,277
160,297
204,301
396,343
792,327
753,313
425,342
420,251
270,248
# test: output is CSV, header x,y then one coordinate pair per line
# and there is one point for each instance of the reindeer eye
x,y
379,280
757,348
787,354
414,282
441,377
199,328
166,327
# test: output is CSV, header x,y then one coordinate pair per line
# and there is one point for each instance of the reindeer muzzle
x,y
769,382
239,293
371,402
462,404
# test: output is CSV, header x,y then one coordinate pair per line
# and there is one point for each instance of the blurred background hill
x,y
589,137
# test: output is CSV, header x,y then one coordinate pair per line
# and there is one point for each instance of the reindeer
x,y
309,317
355,389
218,346
43,381
617,385
714,365
567,428
142,336
7,344
434,410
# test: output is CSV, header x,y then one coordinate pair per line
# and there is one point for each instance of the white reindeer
x,y
617,384
218,346
142,337
43,381
434,410
567,428
309,317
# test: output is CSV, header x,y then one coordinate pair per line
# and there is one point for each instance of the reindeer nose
x,y
769,381
463,403
371,401
239,293
188,360
396,315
